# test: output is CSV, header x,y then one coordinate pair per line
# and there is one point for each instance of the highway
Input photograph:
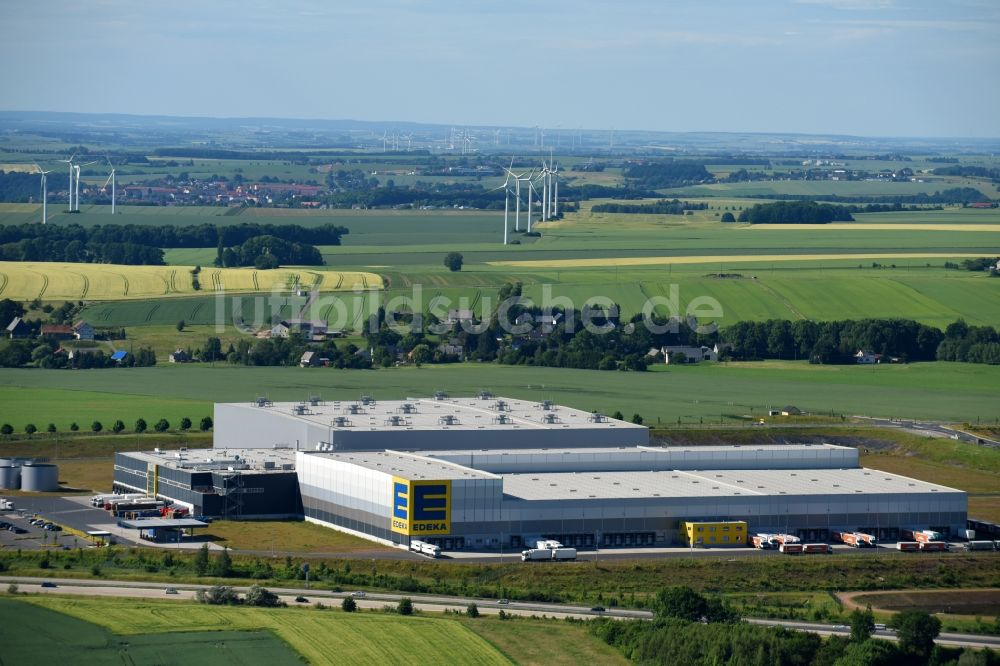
x,y
428,603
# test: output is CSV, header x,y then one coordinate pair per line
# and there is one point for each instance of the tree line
x,y
952,195
172,236
266,252
795,212
690,629
661,174
21,187
74,251
141,426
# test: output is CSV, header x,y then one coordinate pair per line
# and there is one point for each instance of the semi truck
x,y
933,546
908,546
855,539
790,548
548,554
785,538
425,548
816,548
923,536
101,500
762,541
980,545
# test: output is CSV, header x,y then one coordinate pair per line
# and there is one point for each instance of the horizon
x,y
867,68
403,122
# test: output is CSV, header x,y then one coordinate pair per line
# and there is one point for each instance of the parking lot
x,y
26,536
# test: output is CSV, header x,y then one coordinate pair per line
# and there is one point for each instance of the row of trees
x,y
266,252
171,236
75,251
795,212
667,173
692,629
952,195
117,427
832,341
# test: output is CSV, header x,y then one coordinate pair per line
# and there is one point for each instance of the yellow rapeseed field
x,y
107,282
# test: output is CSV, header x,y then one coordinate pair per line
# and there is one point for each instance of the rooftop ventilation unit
x,y
486,395
395,421
315,400
367,400
547,405
341,422
440,395
268,464
354,409
502,419
300,410
597,417
408,408
550,418
262,401
501,406
448,419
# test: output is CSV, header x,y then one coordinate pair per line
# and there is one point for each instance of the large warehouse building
x,y
486,472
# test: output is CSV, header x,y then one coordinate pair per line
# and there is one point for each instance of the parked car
x,y
170,590
48,584
503,602
358,595
301,600
597,609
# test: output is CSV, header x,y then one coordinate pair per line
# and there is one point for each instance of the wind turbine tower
x,y
111,179
70,163
76,167
45,193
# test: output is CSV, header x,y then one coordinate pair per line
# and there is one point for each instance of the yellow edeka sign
x,y
421,507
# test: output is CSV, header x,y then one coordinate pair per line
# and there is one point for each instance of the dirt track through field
x,y
848,599
718,258
875,226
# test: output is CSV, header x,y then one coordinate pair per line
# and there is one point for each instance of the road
x,y
931,429
145,590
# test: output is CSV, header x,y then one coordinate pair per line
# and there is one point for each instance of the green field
x,y
330,637
945,391
34,633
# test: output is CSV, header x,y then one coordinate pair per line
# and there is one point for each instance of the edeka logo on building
x,y
421,507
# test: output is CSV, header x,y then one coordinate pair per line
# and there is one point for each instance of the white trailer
x,y
565,554
425,548
536,554
979,545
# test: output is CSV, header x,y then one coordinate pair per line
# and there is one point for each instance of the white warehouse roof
x,y
404,465
713,483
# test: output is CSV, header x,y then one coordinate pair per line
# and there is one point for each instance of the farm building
x,y
487,472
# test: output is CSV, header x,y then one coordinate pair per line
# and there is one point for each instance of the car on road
x,y
358,595
48,584
879,627
170,590
503,602
301,600
840,627
597,609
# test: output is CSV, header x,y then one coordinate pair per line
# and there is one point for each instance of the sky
x,y
927,68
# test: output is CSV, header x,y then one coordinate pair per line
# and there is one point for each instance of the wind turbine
x,y
45,193
555,190
70,163
517,200
506,201
77,167
111,179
